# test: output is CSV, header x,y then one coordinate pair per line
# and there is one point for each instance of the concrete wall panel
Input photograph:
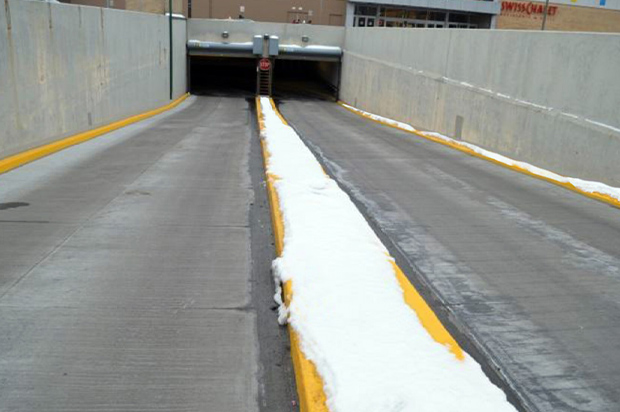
x,y
241,31
179,57
66,69
536,97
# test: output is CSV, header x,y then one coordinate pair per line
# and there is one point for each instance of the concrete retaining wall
x,y
330,73
551,99
65,69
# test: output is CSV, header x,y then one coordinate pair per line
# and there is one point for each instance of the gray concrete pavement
x,y
126,279
528,272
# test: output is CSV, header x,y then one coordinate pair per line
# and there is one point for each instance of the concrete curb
x,y
598,196
31,155
309,383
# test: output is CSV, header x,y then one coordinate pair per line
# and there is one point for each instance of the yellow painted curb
x,y
427,317
28,156
309,383
598,196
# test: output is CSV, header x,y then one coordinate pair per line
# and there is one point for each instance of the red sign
x,y
264,64
526,8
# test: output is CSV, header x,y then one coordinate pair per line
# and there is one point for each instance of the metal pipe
x,y
206,48
171,58
544,22
217,47
311,51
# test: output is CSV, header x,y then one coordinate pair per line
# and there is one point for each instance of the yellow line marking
x,y
275,109
427,317
20,159
309,383
598,196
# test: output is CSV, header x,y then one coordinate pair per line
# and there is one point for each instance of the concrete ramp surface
x,y
126,266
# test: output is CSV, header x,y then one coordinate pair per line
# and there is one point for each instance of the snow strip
x,y
347,309
176,16
586,186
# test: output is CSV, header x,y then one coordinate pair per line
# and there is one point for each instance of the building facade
x,y
324,12
462,14
562,15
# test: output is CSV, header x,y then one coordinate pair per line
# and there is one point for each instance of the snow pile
x,y
381,119
583,185
176,16
348,309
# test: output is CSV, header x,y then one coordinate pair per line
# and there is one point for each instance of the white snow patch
x,y
176,16
573,116
348,310
584,185
382,119
615,129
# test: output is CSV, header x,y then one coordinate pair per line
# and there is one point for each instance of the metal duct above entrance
x,y
283,51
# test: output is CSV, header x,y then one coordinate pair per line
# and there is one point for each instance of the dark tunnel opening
x,y
222,76
236,76
306,79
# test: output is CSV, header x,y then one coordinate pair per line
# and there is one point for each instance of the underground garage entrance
x,y
237,69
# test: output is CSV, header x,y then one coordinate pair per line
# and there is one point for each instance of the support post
x,y
544,22
171,57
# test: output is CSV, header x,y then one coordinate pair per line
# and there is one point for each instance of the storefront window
x,y
459,18
371,16
391,12
437,16
416,14
365,11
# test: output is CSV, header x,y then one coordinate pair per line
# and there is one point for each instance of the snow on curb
x,y
598,190
347,309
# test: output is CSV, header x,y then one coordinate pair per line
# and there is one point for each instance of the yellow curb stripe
x,y
427,317
275,109
598,196
309,383
20,159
